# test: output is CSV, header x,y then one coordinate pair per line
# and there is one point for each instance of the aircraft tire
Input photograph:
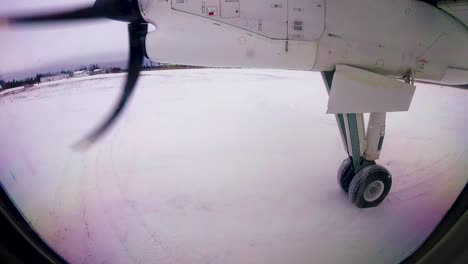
x,y
370,186
345,174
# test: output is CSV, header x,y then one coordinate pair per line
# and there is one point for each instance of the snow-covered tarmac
x,y
223,166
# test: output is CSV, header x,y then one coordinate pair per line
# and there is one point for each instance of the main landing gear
x,y
366,188
366,183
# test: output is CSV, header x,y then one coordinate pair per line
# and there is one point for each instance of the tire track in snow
x,y
157,243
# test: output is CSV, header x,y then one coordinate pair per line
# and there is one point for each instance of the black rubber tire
x,y
345,174
365,177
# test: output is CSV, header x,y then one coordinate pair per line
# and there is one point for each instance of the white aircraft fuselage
x,y
390,38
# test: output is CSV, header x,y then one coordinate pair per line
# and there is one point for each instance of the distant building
x,y
97,71
80,73
114,70
55,77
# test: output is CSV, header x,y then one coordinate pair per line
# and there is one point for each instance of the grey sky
x,y
29,47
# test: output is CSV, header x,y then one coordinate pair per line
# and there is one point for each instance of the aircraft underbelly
x,y
309,35
187,37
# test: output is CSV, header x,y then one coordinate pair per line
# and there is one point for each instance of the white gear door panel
x,y
306,19
358,91
264,17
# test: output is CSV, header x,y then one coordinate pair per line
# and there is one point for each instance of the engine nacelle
x,y
391,38
235,33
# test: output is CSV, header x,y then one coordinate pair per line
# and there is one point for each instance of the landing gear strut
x,y
366,183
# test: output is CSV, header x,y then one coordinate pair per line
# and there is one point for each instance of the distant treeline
x,y
15,83
37,79
31,80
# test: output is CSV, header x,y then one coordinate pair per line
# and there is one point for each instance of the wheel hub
x,y
373,191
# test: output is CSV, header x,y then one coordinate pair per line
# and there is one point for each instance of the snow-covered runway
x,y
223,166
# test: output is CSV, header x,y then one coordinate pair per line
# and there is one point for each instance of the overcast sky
x,y
28,47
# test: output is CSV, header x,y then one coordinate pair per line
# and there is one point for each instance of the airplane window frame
x,y
20,242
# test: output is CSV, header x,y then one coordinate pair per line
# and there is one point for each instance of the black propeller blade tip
x,y
137,33
82,145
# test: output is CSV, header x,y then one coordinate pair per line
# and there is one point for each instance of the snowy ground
x,y
223,166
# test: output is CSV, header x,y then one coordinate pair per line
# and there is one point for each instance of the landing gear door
x,y
306,19
268,18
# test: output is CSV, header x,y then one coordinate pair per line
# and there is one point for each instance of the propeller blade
x,y
90,12
137,34
121,10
